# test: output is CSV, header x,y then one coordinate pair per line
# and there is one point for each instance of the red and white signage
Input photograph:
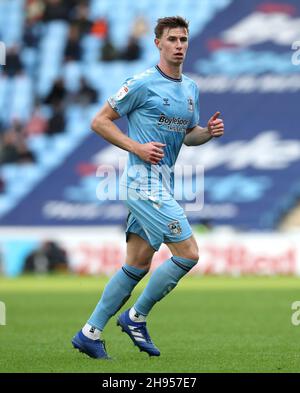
x,y
102,251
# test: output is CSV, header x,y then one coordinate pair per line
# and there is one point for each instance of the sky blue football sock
x,y
162,281
116,293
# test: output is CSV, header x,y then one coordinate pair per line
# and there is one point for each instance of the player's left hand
x,y
215,125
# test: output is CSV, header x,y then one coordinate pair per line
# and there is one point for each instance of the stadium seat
x,y
22,97
71,75
91,48
45,64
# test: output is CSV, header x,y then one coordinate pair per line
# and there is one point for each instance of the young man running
x,y
163,113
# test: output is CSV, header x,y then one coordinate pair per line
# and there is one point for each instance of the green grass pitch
x,y
207,324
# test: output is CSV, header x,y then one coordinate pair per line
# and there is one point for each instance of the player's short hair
x,y
170,22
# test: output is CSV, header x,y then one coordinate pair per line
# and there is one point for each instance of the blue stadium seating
x,y
44,65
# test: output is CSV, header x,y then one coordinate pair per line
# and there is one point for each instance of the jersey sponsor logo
x,y
173,123
175,227
122,93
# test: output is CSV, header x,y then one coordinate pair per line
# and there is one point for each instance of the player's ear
x,y
157,43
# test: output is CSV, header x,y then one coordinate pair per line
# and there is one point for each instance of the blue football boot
x,y
93,348
138,333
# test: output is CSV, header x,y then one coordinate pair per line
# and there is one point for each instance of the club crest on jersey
x,y
122,93
190,105
175,228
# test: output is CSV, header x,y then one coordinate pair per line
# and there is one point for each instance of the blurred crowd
x,y
76,13
48,114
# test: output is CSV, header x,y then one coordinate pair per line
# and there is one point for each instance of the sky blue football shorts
x,y
156,220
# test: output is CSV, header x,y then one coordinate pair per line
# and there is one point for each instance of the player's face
x,y
173,45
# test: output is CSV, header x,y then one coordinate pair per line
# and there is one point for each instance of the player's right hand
x,y
150,152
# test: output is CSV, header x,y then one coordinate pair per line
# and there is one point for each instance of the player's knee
x,y
192,250
193,256
144,264
140,260
192,253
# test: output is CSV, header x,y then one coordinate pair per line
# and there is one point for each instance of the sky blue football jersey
x,y
159,109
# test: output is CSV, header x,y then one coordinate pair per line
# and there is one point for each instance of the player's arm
x,y
103,124
199,135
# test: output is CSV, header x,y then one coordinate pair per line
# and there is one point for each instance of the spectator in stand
x,y
2,185
57,122
9,149
81,18
73,48
132,51
57,10
100,28
14,149
32,33
49,257
58,93
18,126
140,27
108,51
57,99
86,95
37,124
13,62
35,10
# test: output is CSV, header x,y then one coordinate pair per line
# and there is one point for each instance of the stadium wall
x,y
101,250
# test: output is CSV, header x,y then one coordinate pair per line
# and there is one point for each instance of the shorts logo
x,y
122,93
175,228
